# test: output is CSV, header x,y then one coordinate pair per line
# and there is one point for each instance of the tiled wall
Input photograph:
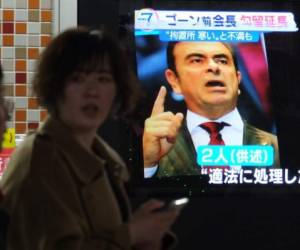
x,y
26,28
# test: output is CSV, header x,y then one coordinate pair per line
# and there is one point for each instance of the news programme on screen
x,y
245,148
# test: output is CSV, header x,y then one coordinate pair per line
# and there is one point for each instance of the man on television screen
x,y
206,75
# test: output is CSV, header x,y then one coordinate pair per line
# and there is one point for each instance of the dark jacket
x,y
181,160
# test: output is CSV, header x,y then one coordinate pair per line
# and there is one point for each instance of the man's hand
x,y
160,131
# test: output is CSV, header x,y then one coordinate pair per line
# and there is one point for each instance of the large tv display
x,y
221,88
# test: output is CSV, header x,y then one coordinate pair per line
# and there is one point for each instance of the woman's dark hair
x,y
83,49
171,58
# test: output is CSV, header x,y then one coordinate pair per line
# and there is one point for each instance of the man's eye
x,y
196,60
222,60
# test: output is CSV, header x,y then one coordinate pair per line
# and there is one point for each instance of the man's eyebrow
x,y
221,55
192,55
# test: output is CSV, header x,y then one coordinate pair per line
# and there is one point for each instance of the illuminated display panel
x,y
258,37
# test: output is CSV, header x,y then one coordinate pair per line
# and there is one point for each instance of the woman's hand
x,y
147,227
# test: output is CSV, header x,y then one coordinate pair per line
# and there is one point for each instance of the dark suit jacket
x,y
181,160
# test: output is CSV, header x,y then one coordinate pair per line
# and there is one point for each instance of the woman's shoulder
x,y
20,162
20,168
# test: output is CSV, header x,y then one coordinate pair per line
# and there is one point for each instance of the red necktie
x,y
213,129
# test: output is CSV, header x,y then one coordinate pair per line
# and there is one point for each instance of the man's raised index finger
x,y
159,103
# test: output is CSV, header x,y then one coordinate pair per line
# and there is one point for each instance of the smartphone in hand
x,y
174,204
178,203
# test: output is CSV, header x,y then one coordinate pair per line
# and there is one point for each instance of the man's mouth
x,y
215,84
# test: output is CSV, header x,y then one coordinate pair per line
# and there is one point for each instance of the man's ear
x,y
173,80
239,78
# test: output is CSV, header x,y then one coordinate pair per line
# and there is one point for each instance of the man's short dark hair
x,y
82,49
171,58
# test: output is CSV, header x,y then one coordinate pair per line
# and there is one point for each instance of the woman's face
x,y
87,99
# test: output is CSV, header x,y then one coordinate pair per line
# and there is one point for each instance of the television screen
x,y
220,108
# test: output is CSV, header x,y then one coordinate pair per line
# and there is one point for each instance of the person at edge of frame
x,y
64,185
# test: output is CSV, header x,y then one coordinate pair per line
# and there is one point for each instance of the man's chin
x,y
218,102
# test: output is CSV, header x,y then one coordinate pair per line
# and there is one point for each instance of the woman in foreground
x,y
64,186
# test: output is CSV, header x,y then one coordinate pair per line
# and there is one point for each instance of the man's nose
x,y
212,66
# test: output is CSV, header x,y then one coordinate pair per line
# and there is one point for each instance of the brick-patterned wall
x,y
26,28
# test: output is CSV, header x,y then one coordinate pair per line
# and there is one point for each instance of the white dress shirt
x,y
232,135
